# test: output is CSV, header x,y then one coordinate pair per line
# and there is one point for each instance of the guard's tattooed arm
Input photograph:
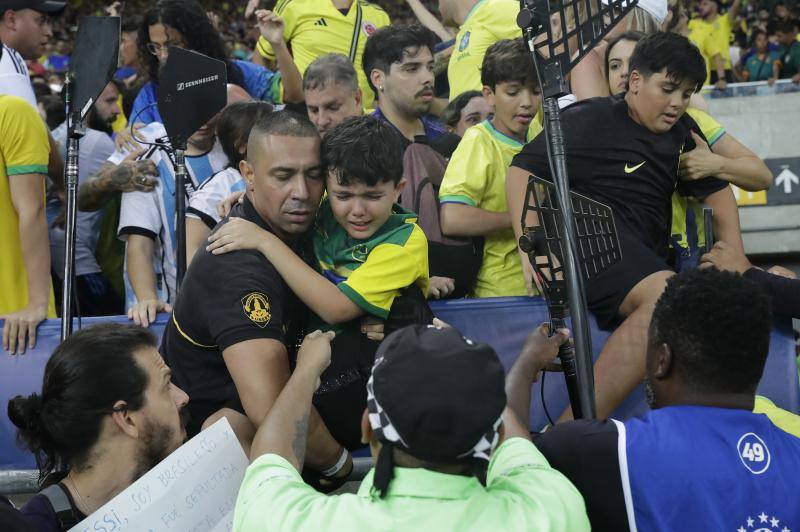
x,y
128,176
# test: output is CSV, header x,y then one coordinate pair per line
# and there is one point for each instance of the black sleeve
x,y
249,304
785,293
210,222
533,157
586,453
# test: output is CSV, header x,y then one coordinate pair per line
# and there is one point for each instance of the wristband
x,y
338,466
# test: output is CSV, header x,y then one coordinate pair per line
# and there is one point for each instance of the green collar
x,y
502,137
422,483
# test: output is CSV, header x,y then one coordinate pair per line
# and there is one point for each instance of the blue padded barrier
x,y
502,322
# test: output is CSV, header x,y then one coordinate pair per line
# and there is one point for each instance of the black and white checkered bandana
x,y
386,432
416,365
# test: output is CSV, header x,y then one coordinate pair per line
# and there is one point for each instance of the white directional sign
x,y
785,187
786,179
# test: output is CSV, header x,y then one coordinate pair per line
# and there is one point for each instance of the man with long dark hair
x,y
184,23
107,413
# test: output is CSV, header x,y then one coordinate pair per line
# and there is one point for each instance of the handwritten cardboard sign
x,y
192,490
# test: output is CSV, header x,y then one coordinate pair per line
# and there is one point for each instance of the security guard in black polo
x,y
226,300
235,324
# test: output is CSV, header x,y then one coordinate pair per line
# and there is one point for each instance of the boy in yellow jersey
x,y
26,293
472,195
370,254
316,27
716,47
481,23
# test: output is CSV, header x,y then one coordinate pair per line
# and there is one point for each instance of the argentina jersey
x,y
704,468
203,203
14,78
152,214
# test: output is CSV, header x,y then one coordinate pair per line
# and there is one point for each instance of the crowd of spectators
x,y
372,156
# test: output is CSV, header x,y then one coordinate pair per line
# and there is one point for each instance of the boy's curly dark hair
x,y
363,149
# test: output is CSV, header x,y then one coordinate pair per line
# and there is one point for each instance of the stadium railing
x,y
504,323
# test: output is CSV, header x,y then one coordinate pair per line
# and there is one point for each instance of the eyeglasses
x,y
159,49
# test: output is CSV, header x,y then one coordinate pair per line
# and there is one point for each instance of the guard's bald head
x,y
237,94
280,123
283,172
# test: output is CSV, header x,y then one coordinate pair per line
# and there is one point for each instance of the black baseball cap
x,y
435,395
43,6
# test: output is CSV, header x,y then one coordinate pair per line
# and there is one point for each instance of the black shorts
x,y
199,411
341,397
605,293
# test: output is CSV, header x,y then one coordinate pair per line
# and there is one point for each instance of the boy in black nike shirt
x,y
624,152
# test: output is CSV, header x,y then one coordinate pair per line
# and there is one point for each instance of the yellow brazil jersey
x,y
712,130
315,27
373,271
476,176
700,35
121,122
24,149
783,419
488,22
717,38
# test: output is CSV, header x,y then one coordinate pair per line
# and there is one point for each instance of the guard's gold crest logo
x,y
256,308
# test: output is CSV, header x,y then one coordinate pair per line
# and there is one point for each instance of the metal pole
x,y
180,214
74,133
574,280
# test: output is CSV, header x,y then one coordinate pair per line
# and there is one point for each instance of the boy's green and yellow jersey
x,y
373,271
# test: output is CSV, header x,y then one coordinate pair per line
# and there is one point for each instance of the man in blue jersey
x,y
701,459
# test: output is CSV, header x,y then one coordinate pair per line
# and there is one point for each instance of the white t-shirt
x,y
152,213
95,148
14,77
203,203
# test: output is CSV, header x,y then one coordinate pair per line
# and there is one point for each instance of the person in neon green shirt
x,y
472,194
481,23
436,420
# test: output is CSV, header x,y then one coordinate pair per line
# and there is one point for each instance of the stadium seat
x,y
502,322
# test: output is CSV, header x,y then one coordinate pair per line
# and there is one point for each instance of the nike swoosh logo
x,y
629,169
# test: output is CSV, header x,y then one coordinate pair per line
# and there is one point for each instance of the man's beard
x,y
157,444
95,122
415,108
